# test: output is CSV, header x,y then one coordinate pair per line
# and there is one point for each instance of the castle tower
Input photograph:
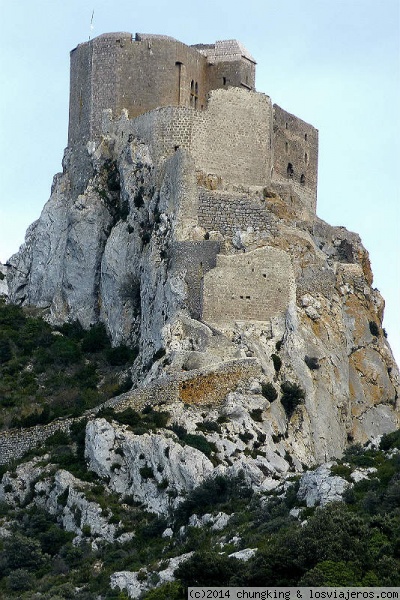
x,y
117,71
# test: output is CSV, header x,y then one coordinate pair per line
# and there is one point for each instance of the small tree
x,y
292,397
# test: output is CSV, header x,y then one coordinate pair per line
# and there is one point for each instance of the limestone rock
x,y
244,554
135,583
320,487
3,281
147,466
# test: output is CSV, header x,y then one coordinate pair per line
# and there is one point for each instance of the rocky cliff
x,y
123,240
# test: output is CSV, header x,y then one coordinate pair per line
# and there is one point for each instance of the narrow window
x,y
286,147
224,80
306,158
305,136
303,179
290,170
191,93
286,125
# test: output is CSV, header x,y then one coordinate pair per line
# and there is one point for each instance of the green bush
x,y
212,493
277,362
65,351
172,590
209,426
20,580
119,355
146,472
292,397
95,339
374,329
312,362
199,442
5,350
390,441
208,569
256,415
269,392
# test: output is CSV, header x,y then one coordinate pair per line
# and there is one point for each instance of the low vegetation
x,y
46,373
350,543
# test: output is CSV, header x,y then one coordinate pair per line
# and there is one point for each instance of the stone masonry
x,y
201,98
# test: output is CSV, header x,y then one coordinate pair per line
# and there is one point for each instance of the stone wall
x,y
16,442
200,386
195,259
235,118
116,71
295,148
232,137
255,286
228,212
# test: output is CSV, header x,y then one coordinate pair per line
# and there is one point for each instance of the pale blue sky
x,y
333,63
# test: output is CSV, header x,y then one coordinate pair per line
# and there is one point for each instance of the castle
x,y
201,98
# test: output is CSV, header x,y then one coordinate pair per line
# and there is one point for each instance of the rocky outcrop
x,y
3,281
320,487
125,247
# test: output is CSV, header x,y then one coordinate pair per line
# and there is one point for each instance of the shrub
x,y
209,426
269,392
256,415
58,438
292,397
212,493
209,569
5,350
199,442
65,351
390,441
172,590
119,355
95,339
374,329
20,580
139,197
246,436
312,362
146,472
73,330
124,210
277,362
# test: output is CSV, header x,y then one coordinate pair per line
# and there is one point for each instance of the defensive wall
x,y
201,98
200,387
233,140
229,212
256,286
16,442
141,73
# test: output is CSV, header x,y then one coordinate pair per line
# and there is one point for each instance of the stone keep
x,y
199,97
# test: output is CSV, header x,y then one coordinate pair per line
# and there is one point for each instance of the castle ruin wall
x,y
229,212
241,121
295,155
254,286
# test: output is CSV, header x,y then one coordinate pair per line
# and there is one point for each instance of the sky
x,y
333,63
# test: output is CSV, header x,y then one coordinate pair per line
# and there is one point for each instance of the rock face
x,y
3,281
196,273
